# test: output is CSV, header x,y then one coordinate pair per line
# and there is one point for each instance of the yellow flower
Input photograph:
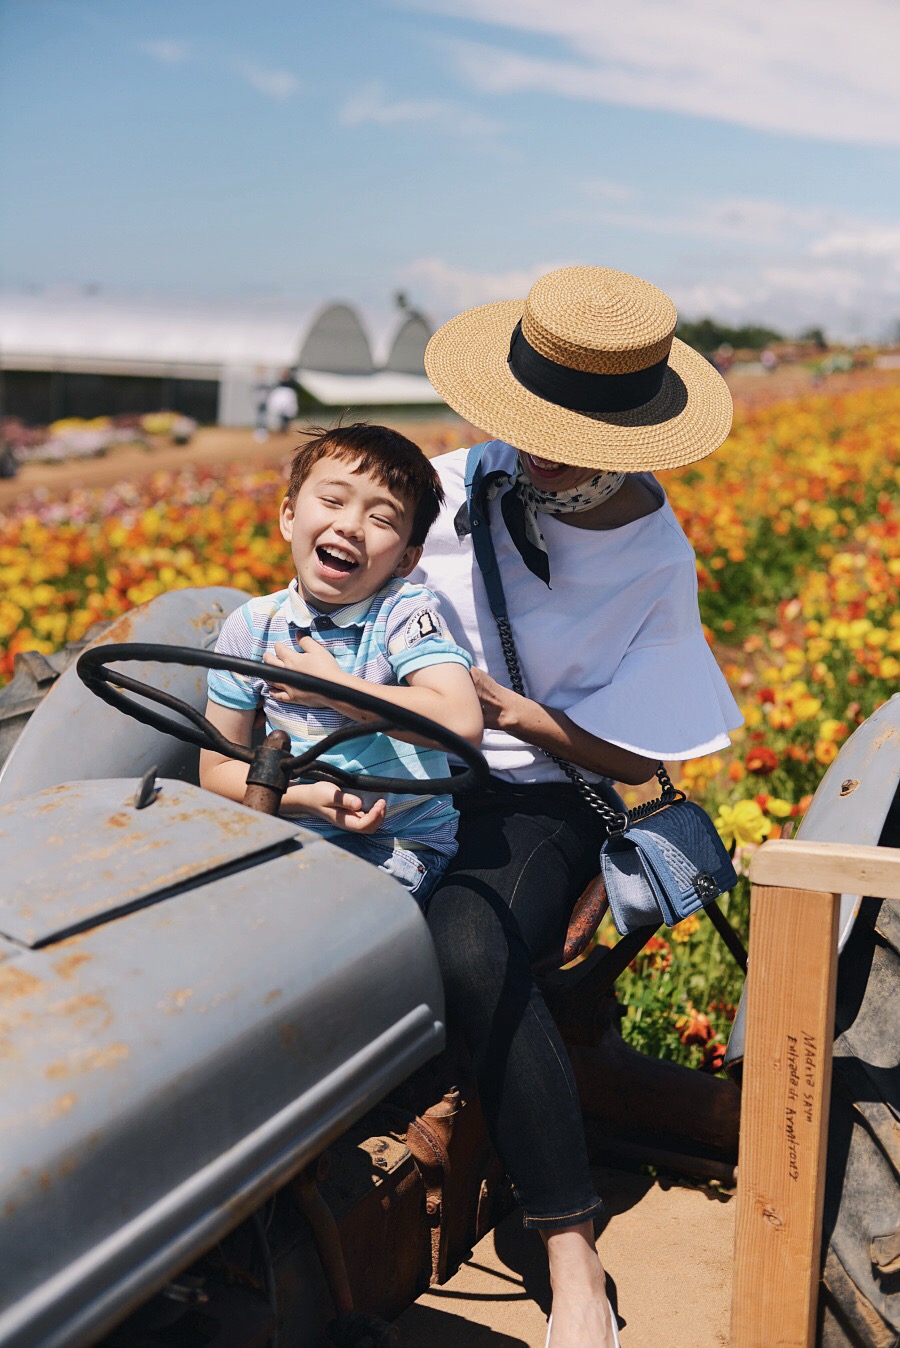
x,y
826,752
778,807
685,929
742,824
806,707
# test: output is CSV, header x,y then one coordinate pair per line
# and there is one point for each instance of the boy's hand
x,y
315,661
335,806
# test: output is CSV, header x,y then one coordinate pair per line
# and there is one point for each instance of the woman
x,y
590,392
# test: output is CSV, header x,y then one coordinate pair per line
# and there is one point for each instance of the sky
x,y
745,157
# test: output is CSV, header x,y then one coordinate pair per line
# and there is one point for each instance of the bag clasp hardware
x,y
706,886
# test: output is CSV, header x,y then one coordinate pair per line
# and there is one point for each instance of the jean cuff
x,y
564,1219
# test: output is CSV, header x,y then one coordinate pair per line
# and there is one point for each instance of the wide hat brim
x,y
690,417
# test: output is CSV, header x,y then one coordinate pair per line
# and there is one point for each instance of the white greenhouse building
x,y
90,354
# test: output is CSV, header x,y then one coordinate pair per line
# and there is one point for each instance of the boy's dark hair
x,y
384,453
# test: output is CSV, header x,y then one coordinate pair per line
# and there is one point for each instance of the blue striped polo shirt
x,y
381,639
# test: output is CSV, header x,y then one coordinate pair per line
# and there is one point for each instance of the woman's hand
x,y
333,805
554,731
314,660
497,702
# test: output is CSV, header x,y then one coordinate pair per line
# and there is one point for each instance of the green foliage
x,y
684,986
706,335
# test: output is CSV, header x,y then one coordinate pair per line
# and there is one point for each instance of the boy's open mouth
x,y
333,559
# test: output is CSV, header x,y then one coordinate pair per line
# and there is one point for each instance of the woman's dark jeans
x,y
525,854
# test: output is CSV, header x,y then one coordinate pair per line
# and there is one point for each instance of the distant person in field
x,y
283,403
359,504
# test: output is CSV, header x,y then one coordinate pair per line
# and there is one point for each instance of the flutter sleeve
x,y
667,697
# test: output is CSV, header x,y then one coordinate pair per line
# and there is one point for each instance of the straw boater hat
x,y
585,371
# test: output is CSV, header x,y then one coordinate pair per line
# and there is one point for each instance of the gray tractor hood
x,y
194,1001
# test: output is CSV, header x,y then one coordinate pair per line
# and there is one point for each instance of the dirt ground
x,y
210,446
667,1250
436,432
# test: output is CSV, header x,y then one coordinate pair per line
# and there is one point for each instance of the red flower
x,y
713,1059
761,760
693,1027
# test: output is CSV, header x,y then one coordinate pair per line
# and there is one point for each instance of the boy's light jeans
x,y
418,872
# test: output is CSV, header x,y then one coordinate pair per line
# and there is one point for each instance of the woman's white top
x,y
615,642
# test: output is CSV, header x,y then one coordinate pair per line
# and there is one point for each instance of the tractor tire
x,y
859,1301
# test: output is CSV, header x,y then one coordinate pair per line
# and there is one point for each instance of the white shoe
x,y
613,1321
615,1324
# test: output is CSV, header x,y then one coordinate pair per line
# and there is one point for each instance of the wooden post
x,y
787,1080
784,1116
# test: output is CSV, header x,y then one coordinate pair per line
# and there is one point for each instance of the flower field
x,y
796,527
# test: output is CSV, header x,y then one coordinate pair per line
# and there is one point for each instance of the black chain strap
x,y
616,821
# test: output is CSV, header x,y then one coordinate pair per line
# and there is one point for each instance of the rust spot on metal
x,y
16,983
176,1000
290,1037
273,996
888,733
849,785
82,1009
87,1060
120,820
58,1107
69,963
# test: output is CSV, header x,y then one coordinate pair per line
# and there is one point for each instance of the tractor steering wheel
x,y
93,670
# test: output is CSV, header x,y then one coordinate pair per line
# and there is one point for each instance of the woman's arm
x,y
228,777
547,728
443,692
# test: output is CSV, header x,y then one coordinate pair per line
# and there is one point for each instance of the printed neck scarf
x,y
521,506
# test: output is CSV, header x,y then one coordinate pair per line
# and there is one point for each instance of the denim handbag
x,y
663,866
662,860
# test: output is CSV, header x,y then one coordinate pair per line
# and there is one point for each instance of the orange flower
x,y
693,1027
761,760
713,1059
656,957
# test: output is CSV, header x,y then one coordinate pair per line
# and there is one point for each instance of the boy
x,y
359,505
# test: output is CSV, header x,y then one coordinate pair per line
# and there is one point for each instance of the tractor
x,y
231,1112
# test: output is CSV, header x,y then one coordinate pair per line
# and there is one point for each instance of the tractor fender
x,y
851,805
72,736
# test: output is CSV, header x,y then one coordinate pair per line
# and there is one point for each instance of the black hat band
x,y
578,390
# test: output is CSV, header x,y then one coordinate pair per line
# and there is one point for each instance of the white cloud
x,y
446,290
371,104
605,190
802,269
818,68
878,243
171,53
272,83
277,84
849,301
758,223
